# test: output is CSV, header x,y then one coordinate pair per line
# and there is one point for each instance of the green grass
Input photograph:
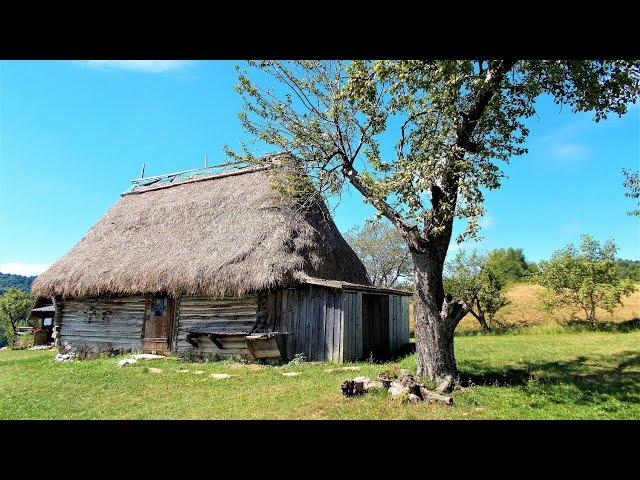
x,y
576,375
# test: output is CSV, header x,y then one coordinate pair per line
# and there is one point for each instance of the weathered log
x,y
431,397
359,386
404,387
351,388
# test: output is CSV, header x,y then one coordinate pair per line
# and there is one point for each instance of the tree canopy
x,y
475,280
454,124
455,121
632,184
15,305
8,280
509,264
383,252
584,278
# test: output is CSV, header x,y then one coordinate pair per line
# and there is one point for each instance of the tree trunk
x,y
480,317
592,317
14,327
435,319
483,323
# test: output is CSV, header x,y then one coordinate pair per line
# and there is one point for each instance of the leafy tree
x,y
383,251
510,264
14,307
452,122
473,279
585,278
632,184
532,269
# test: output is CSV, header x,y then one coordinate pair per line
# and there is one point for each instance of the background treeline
x,y
9,280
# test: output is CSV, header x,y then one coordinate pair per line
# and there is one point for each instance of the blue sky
x,y
72,135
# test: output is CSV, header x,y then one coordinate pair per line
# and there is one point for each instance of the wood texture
x,y
94,323
312,315
230,315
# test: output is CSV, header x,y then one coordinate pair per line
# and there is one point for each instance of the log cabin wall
x,y
313,317
224,314
97,324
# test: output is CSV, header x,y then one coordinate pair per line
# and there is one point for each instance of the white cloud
x,y
569,151
150,66
27,269
487,221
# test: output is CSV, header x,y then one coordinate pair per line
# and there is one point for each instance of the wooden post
x,y
57,318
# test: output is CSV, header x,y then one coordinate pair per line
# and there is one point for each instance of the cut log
x,y
404,387
352,388
431,397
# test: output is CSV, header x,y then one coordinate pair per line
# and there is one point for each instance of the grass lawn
x,y
583,375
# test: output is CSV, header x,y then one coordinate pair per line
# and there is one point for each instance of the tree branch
x,y
409,232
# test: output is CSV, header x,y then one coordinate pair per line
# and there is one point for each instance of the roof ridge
x,y
198,178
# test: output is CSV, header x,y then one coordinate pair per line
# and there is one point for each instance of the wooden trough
x,y
260,345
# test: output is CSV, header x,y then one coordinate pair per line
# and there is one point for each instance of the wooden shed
x,y
220,264
42,315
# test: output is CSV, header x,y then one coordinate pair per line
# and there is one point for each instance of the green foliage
x,y
383,252
473,279
632,184
585,278
14,307
509,264
458,120
628,269
8,280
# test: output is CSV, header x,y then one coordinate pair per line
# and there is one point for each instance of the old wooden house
x,y
220,264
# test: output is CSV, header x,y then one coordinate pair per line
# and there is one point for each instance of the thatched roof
x,y
225,234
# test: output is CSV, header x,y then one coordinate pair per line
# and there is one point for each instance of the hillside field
x,y
524,311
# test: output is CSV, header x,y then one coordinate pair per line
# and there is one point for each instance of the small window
x,y
47,322
159,307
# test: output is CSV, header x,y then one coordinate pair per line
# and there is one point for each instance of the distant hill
x,y
8,280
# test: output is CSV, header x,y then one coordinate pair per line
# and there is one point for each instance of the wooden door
x,y
158,322
375,326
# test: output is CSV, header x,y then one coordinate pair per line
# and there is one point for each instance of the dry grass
x,y
525,310
214,235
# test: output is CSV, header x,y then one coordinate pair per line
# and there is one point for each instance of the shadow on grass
x,y
615,327
582,380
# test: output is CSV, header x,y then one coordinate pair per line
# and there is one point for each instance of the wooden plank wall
x,y
223,314
102,322
404,322
313,317
398,322
352,321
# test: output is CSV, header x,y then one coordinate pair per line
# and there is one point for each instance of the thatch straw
x,y
221,236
